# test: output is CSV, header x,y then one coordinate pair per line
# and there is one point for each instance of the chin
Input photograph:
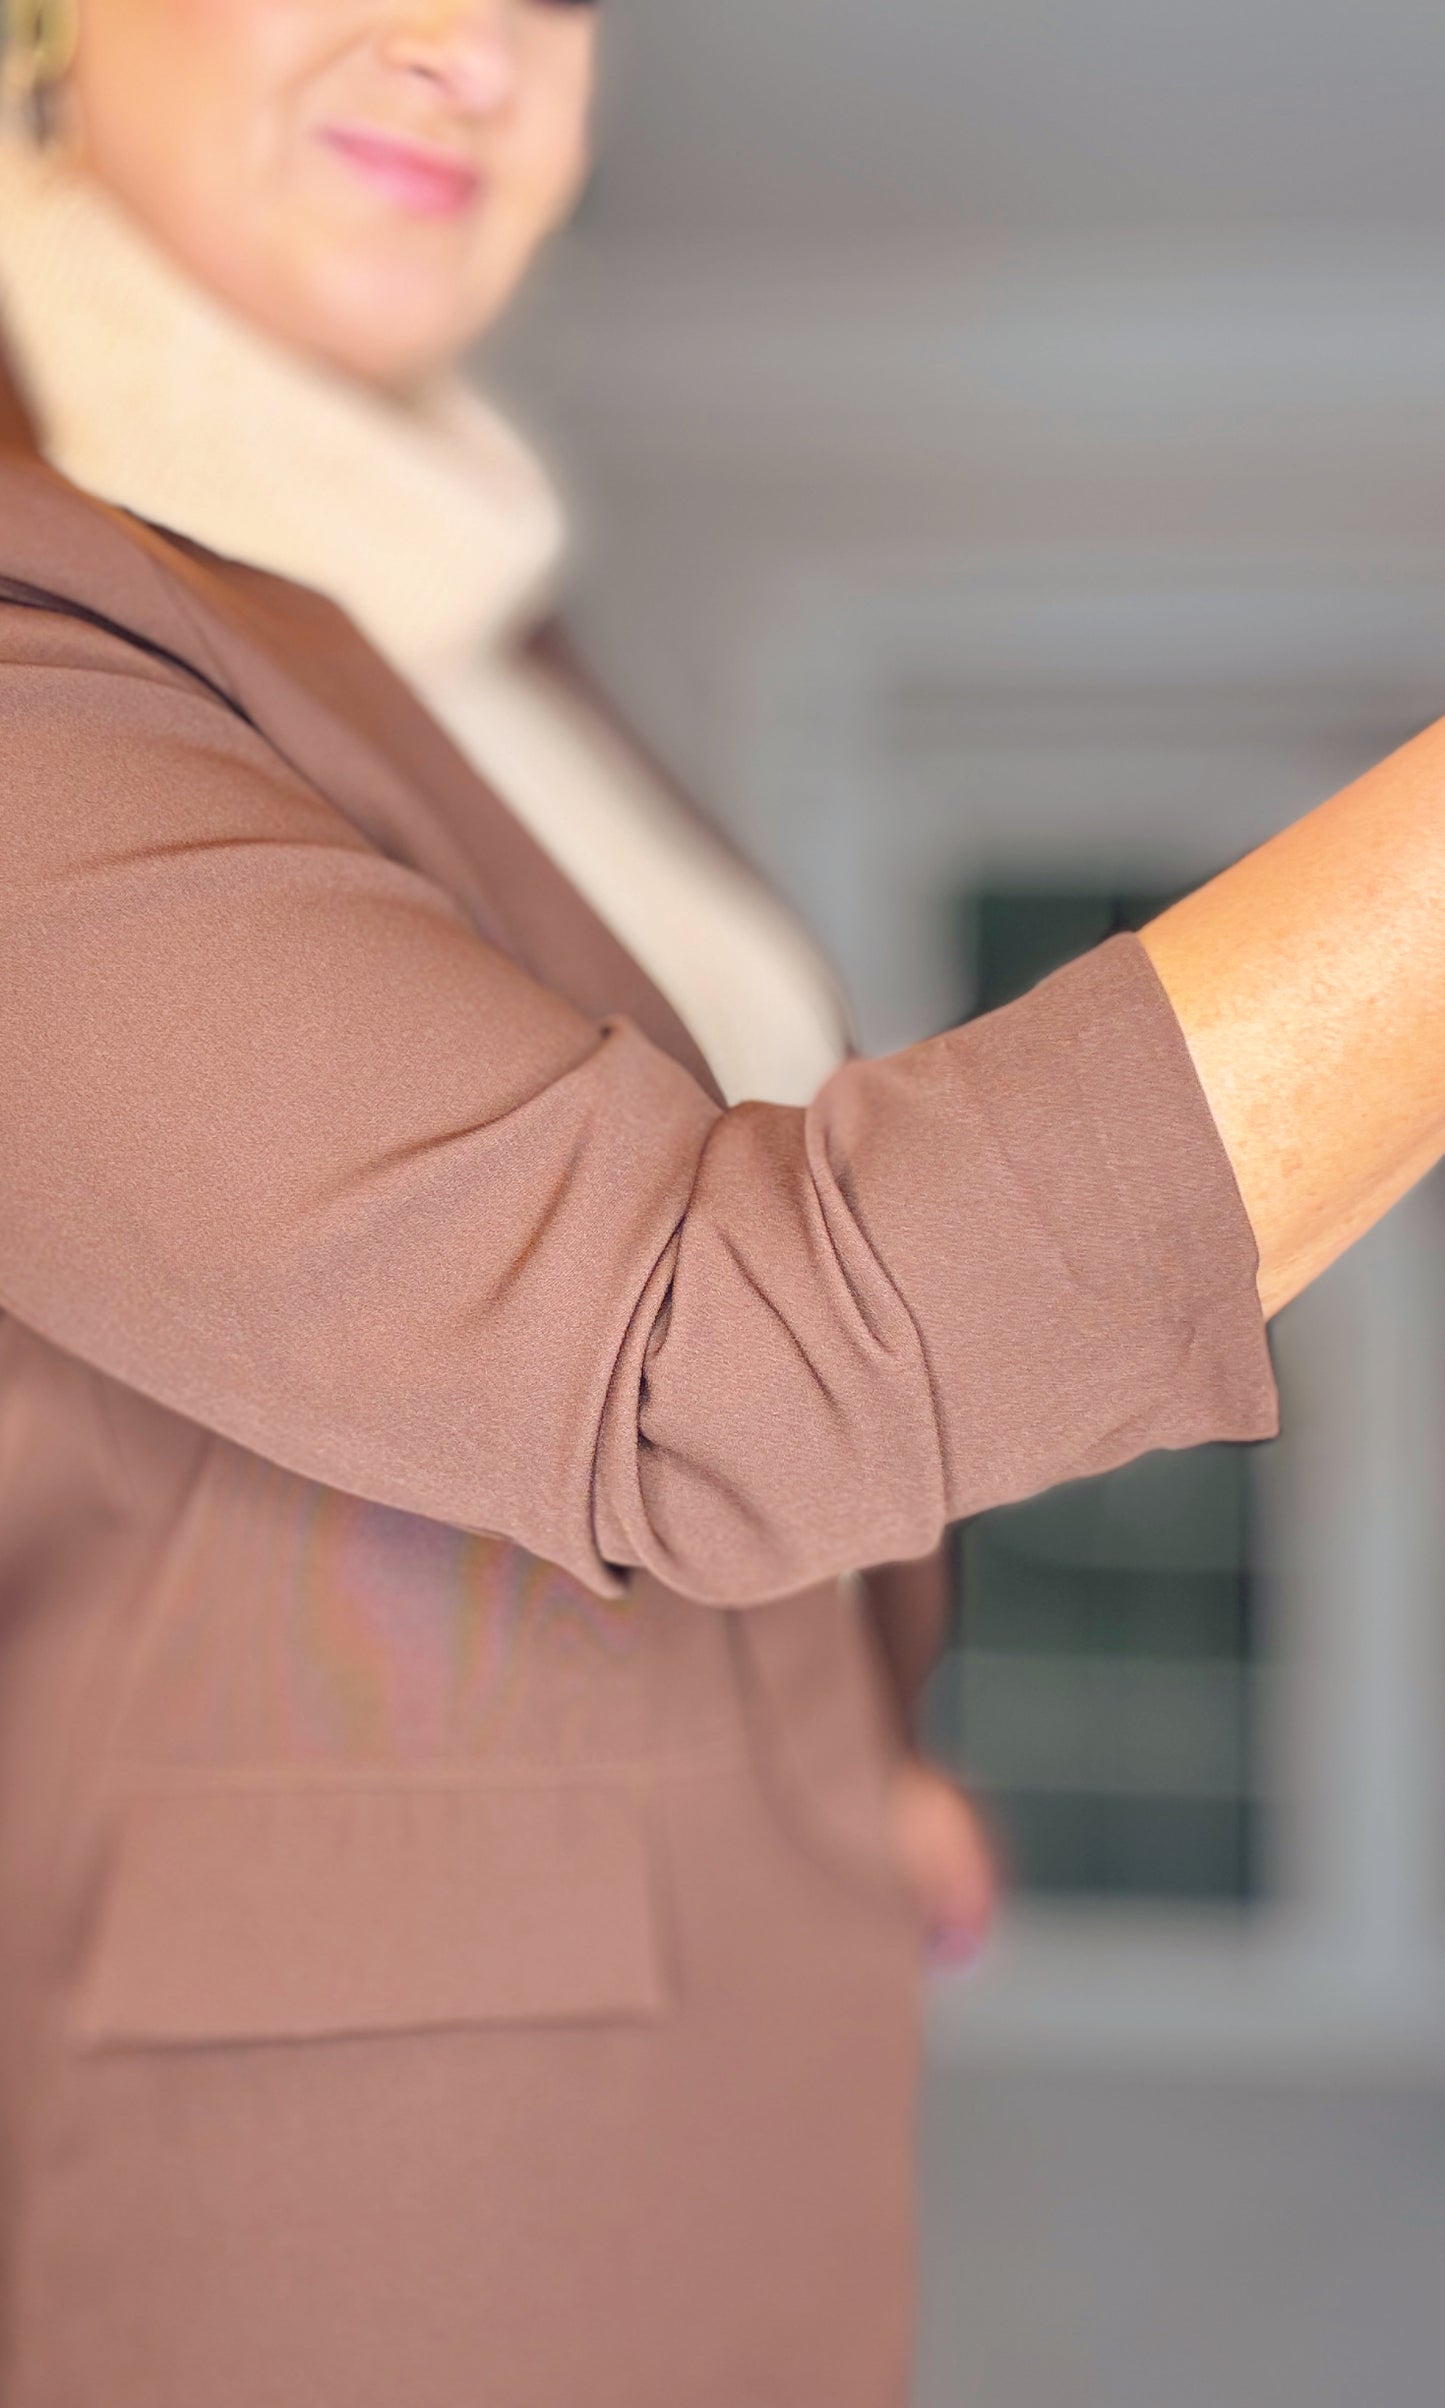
x,y
393,327
381,356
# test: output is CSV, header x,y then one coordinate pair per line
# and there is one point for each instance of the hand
x,y
948,1859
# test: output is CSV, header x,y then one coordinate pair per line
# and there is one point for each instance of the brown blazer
x,y
449,1950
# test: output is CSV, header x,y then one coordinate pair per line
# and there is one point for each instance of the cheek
x,y
259,40
177,93
554,126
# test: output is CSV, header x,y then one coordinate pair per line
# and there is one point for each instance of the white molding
x,y
1188,714
1082,555
906,363
1184,1994
1109,705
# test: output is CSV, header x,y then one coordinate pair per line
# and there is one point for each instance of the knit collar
x,y
427,519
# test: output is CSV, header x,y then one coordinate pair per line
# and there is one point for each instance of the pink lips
x,y
418,179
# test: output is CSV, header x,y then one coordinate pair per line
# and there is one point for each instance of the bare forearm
x,y
1310,984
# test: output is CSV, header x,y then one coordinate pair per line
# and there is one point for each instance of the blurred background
x,y
1008,443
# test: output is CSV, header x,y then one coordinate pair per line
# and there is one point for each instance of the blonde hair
x,y
39,38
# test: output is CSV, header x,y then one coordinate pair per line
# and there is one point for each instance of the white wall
x,y
840,119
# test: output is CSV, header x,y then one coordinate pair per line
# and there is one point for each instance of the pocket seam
x,y
258,1912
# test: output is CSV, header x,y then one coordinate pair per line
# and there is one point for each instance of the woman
x,y
455,1939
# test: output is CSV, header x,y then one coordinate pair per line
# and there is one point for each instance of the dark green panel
x,y
1150,1565
1011,937
1190,1849
1148,1560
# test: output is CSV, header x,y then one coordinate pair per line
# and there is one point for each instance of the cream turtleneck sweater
x,y
436,529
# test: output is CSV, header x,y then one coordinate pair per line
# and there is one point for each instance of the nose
x,y
465,49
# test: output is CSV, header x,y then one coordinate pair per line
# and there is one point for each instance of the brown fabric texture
x,y
431,1429
258,1071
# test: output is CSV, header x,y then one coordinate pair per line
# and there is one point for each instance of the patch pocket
x,y
294,1912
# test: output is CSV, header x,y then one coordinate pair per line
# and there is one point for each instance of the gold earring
x,y
40,42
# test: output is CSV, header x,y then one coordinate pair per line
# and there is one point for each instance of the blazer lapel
x,y
17,422
298,668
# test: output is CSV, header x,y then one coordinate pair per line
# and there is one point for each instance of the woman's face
x,y
366,179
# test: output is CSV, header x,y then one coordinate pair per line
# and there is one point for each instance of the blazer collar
x,y
18,429
293,664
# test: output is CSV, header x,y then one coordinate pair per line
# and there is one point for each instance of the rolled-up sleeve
x,y
290,1148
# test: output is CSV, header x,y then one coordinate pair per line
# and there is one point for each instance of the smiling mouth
x,y
424,181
